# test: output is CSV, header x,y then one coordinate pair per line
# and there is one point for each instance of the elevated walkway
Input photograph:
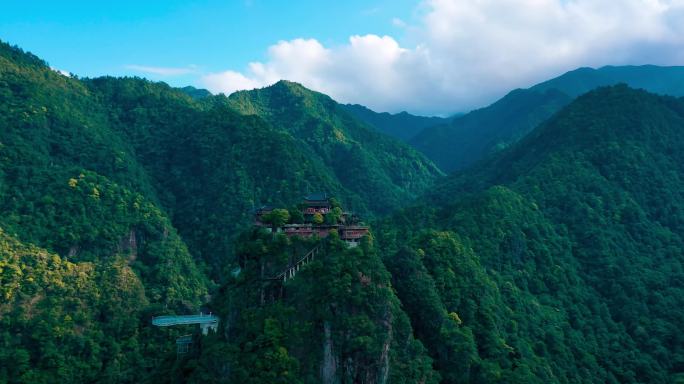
x,y
292,270
205,321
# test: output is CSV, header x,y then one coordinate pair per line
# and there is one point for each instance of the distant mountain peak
x,y
471,137
290,86
195,93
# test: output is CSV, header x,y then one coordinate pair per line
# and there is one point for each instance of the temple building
x,y
316,203
352,234
334,219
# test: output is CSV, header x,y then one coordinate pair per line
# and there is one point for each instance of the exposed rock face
x,y
350,369
129,244
329,367
73,251
384,358
132,244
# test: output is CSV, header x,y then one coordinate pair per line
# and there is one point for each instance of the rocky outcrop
x,y
329,366
129,244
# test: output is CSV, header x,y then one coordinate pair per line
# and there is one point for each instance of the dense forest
x,y
121,199
555,259
561,255
337,321
87,252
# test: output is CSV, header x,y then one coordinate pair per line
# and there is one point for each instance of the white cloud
x,y
399,23
61,72
467,53
162,71
229,82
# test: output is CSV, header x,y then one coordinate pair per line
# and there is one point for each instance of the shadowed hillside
x,y
470,138
560,259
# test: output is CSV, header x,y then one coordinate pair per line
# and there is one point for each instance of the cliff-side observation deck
x,y
205,321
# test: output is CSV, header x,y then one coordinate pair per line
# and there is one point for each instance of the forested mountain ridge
x,y
214,160
561,256
557,259
403,126
87,252
195,93
471,137
393,171
656,79
121,199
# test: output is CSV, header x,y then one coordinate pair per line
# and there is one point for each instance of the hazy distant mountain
x,y
466,139
655,79
404,126
469,138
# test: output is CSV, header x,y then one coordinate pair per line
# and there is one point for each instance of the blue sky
x,y
423,56
93,38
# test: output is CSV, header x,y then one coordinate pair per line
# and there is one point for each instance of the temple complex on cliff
x,y
319,215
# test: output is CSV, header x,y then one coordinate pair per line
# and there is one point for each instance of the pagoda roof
x,y
262,209
318,196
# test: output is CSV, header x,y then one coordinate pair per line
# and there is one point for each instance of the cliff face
x,y
350,370
330,364
337,321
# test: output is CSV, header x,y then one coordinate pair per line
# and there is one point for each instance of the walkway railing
x,y
292,270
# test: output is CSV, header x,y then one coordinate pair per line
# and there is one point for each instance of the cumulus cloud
x,y
61,72
162,71
465,53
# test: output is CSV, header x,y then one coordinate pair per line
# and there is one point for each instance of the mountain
x,y
337,321
215,159
655,79
87,253
558,259
122,199
469,138
195,93
366,162
402,126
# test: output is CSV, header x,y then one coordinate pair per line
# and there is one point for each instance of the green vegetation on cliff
x,y
338,320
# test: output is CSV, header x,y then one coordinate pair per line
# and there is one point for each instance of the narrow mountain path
x,y
292,270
